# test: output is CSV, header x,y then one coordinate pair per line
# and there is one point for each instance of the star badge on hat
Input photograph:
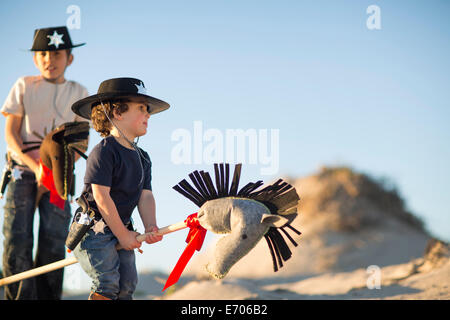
x,y
141,88
55,39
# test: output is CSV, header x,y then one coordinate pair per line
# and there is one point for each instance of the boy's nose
x,y
51,56
47,59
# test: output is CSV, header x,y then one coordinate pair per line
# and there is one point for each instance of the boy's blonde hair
x,y
100,121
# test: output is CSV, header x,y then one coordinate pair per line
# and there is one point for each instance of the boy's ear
x,y
34,59
117,115
69,59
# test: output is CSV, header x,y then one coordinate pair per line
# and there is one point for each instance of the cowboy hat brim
x,y
55,49
83,107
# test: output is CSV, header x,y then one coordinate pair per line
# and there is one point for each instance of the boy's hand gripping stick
x,y
162,231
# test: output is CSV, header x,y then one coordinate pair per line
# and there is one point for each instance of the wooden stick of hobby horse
x,y
72,260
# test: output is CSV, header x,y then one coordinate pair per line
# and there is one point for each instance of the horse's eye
x,y
244,236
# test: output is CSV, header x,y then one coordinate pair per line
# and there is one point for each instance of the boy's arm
x,y
14,140
108,210
147,211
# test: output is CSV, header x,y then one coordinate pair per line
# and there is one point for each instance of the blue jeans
x,y
18,240
113,271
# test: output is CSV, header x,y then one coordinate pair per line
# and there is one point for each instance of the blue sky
x,y
339,93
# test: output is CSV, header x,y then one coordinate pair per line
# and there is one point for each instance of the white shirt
x,y
43,106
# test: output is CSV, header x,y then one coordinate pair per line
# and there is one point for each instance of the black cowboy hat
x,y
115,89
52,39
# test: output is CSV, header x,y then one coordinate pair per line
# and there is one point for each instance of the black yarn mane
x,y
272,196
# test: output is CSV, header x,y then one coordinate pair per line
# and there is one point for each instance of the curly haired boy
x,y
117,180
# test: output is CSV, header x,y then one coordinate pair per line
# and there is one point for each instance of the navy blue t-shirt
x,y
113,165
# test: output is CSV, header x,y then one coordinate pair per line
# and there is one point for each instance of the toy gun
x,y
6,177
83,220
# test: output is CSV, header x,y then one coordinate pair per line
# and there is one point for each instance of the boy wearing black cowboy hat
x,y
34,107
117,180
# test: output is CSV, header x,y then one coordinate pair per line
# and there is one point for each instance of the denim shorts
x,y
113,271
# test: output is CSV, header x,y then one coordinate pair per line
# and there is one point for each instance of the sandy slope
x,y
433,284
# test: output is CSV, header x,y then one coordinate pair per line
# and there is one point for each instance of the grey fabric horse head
x,y
244,216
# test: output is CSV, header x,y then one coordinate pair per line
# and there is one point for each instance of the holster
x,y
6,177
7,173
83,220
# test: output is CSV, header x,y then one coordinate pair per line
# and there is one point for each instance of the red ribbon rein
x,y
49,183
194,239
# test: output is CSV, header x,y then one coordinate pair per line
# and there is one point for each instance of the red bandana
x,y
195,239
47,180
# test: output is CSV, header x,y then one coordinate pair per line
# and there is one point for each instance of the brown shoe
x,y
96,296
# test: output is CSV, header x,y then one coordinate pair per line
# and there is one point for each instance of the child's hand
x,y
152,238
38,172
128,241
